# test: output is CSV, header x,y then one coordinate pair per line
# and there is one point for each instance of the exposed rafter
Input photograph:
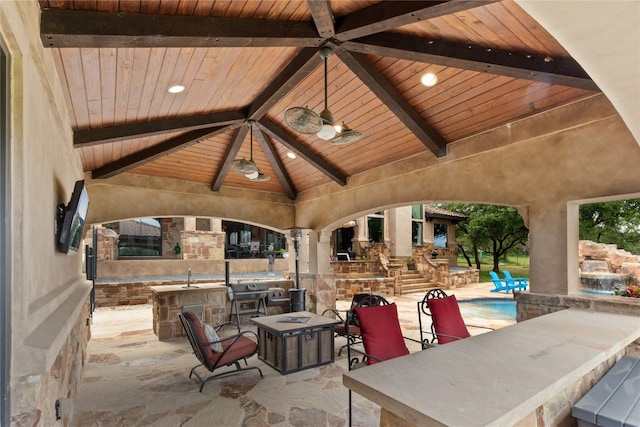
x,y
322,17
157,151
296,71
393,14
562,71
229,155
89,137
276,163
360,65
81,28
285,139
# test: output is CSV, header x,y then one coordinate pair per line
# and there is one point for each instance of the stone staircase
x,y
411,281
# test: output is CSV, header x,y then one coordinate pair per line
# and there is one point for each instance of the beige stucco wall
x,y
48,293
541,164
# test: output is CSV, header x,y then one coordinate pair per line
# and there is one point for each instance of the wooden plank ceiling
x,y
244,63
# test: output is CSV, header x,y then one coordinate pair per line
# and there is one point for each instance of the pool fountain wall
x,y
603,268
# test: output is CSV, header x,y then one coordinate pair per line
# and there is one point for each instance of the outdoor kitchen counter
x,y
207,300
502,377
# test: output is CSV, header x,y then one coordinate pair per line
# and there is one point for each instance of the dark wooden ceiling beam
x,y
229,156
90,137
559,71
387,15
322,17
155,152
276,164
370,76
82,28
276,132
296,71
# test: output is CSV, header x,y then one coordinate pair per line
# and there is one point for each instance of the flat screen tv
x,y
72,218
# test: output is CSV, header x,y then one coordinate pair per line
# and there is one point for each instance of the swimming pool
x,y
488,308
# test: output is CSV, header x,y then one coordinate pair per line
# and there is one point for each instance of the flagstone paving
x,y
133,379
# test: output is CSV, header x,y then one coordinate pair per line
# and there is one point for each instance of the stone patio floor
x,y
132,379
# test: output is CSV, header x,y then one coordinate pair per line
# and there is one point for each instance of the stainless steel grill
x,y
246,292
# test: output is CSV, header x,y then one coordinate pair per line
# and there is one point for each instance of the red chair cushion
x,y
447,319
381,333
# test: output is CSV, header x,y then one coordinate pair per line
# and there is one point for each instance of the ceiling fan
x,y
248,167
306,121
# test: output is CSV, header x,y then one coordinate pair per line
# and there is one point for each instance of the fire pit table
x,y
293,342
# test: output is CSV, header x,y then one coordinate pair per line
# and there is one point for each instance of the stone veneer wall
x,y
530,305
34,403
202,245
166,308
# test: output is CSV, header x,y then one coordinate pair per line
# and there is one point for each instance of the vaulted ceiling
x,y
244,63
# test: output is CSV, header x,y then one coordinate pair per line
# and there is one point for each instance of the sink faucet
x,y
189,278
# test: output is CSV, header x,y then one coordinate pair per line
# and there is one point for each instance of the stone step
x,y
416,288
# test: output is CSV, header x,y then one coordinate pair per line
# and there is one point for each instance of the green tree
x,y
490,228
612,222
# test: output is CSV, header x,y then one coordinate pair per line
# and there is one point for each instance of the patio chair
x,y
501,284
380,333
519,283
214,352
447,324
340,330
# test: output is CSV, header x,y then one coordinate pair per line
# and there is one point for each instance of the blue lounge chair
x,y
519,283
501,284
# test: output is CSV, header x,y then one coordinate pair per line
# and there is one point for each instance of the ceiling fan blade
x,y
261,177
346,137
244,166
303,120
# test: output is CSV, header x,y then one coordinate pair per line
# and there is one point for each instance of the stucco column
x,y
399,231
360,239
553,236
215,224
189,223
319,252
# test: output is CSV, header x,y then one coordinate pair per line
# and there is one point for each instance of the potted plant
x,y
411,263
284,253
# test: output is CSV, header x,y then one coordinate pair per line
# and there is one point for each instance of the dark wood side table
x,y
292,342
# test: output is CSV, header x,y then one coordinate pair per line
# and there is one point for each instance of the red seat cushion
x,y
447,320
381,333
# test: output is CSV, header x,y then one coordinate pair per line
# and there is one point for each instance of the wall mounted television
x,y
71,219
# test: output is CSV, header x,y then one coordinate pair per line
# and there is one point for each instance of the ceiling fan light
x,y
327,132
253,175
328,129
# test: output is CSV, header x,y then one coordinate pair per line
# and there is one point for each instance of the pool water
x,y
489,308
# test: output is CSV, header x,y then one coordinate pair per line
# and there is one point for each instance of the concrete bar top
x,y
496,378
199,287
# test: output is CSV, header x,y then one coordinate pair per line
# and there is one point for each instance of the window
x,y
140,237
375,227
440,235
416,224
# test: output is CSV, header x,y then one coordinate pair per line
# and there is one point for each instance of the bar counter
x,y
500,378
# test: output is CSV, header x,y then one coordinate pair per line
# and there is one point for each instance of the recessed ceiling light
x,y
176,89
429,79
291,155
